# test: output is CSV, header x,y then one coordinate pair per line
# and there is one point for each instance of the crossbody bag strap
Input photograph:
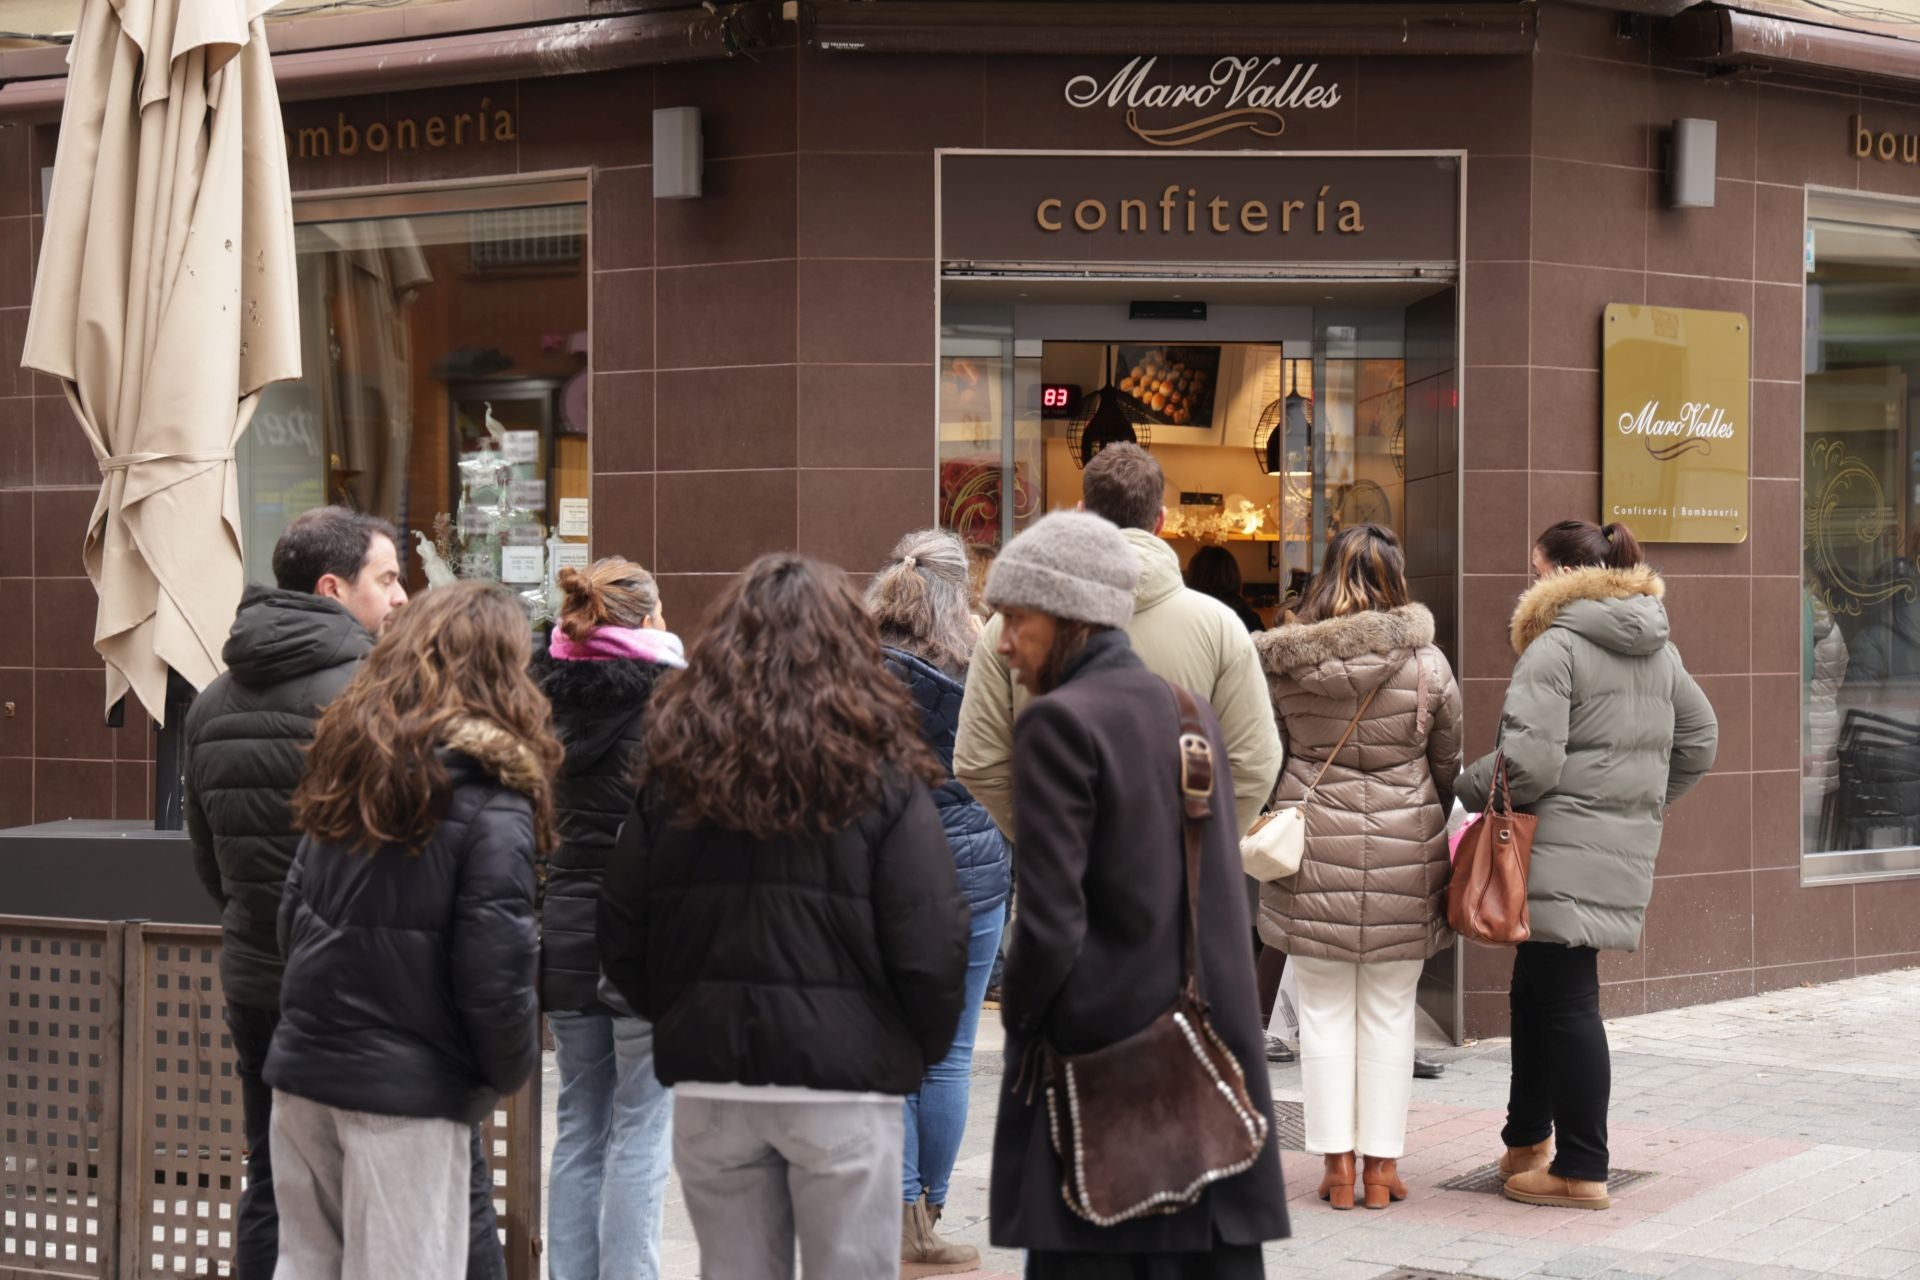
x,y
1352,724
1196,803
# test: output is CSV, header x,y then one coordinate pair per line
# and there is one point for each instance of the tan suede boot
x,y
1526,1159
923,1250
1537,1186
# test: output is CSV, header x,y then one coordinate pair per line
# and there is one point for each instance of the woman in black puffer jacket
x,y
614,1120
920,601
782,905
408,1006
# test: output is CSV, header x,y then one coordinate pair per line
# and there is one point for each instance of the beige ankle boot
x,y
1526,1159
919,1244
1537,1186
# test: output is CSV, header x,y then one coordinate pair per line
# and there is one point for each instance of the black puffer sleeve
x,y
495,944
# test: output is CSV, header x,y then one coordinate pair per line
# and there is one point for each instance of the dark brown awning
x,y
559,48
1773,35
1116,27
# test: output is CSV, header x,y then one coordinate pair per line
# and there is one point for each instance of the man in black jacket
x,y
291,651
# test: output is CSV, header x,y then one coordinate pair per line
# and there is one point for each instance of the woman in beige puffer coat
x,y
1368,904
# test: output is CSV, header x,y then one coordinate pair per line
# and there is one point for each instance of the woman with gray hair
x,y
922,603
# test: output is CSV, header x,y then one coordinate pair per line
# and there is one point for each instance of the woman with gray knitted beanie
x,y
1097,943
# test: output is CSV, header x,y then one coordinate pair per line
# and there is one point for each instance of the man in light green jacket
x,y
1193,640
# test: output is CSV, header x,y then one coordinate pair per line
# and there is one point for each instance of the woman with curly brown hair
x,y
782,906
408,1004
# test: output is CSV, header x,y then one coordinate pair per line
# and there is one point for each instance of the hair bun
x,y
575,583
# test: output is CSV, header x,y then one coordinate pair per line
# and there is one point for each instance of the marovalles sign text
x,y
1673,417
1238,207
1237,93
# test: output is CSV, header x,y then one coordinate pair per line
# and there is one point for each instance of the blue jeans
x,y
611,1153
937,1115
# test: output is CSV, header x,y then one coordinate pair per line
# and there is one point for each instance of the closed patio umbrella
x,y
165,300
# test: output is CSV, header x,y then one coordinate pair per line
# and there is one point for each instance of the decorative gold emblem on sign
x,y
1256,120
1847,507
1674,402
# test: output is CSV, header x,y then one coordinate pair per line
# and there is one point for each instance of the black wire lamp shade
x,y
1283,424
1108,416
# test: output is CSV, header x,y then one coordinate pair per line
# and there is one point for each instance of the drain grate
x,y
1290,1126
1487,1178
1404,1273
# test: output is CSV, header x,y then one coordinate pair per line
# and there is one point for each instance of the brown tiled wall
x,y
1573,220
57,757
763,378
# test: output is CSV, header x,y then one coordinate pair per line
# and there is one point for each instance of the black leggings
x,y
1562,1075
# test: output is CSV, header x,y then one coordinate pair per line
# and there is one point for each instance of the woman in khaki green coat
x,y
1602,730
1361,692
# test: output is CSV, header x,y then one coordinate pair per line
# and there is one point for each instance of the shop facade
x,y
898,258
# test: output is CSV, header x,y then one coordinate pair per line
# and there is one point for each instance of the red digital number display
x,y
1058,399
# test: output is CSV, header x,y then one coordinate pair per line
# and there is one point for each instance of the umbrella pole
x,y
170,756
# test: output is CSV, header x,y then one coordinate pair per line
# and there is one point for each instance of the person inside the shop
x,y
613,1145
1371,715
782,905
409,1006
1601,730
1127,899
1214,572
921,601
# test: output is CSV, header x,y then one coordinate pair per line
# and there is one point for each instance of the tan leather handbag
x,y
1144,1126
1487,897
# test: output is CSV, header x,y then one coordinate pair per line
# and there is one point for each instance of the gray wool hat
x,y
1070,564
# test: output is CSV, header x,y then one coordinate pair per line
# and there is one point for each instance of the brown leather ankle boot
x,y
1526,1159
1336,1185
1381,1178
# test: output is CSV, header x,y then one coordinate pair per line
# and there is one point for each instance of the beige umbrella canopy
x,y
165,300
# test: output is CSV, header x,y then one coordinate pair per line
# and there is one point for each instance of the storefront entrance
x,y
1286,396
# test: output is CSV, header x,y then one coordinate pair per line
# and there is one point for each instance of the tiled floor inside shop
x,y
1775,1137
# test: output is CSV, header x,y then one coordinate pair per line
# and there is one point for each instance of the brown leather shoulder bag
x,y
1487,897
1144,1126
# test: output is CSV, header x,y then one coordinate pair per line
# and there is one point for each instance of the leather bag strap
x,y
1196,798
1352,724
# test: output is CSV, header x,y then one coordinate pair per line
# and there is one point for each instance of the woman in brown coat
x,y
1361,692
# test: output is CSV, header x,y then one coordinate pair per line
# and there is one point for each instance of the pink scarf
x,y
608,644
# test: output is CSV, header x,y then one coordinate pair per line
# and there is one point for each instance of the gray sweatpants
x,y
759,1175
366,1197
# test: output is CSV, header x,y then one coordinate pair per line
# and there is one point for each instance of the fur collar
x,y
1310,644
498,752
1545,599
613,683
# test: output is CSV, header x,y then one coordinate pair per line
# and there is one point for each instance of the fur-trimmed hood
x,y
595,703
1357,651
501,754
1618,609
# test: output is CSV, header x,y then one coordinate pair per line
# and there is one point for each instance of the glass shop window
x,y
444,387
1860,606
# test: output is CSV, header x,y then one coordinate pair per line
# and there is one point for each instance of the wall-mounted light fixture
x,y
1690,163
676,153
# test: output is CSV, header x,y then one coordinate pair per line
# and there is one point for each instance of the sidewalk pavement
x,y
1769,1138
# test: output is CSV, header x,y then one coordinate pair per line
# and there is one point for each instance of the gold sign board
x,y
1673,411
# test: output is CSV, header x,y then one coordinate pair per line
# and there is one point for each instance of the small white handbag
x,y
1277,841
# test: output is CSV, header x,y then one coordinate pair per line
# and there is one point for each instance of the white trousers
x,y
366,1197
1356,1054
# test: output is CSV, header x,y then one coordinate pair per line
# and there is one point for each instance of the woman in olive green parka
x,y
1602,729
